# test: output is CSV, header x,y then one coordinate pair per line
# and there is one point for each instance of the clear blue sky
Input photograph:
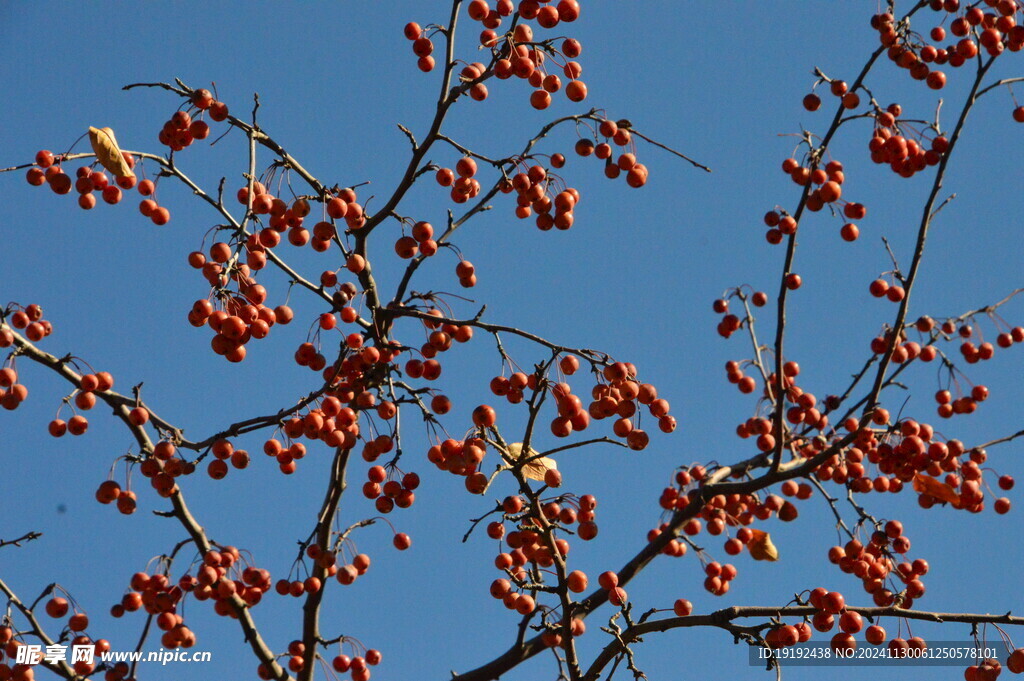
x,y
635,277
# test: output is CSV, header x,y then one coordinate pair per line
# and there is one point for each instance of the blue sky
x,y
635,277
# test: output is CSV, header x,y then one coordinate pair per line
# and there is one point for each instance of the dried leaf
x,y
534,470
104,145
925,484
761,547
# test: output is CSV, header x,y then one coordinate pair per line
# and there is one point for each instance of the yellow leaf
x,y
104,145
761,547
534,470
925,484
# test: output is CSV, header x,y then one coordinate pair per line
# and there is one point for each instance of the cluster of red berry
x,y
731,323
162,469
609,581
905,157
332,422
406,247
439,339
461,457
387,490
910,453
875,564
720,513
285,217
328,560
110,492
619,134
518,54
908,350
85,399
526,60
621,398
244,316
538,191
988,669
48,170
528,549
157,595
422,46
358,664
180,130
465,186
12,393
977,29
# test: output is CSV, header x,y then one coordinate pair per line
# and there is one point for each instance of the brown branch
x,y
260,137
723,618
167,560
547,533
998,83
1019,433
479,206
669,149
574,445
922,236
28,536
935,335
239,227
325,520
122,406
831,501
871,400
778,472
169,166
258,422
758,360
777,390
593,356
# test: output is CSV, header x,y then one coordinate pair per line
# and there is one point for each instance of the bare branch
x,y
28,536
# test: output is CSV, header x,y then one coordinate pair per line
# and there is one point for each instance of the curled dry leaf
x,y
534,470
104,145
925,484
761,546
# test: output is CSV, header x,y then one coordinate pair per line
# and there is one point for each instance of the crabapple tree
x,y
377,323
